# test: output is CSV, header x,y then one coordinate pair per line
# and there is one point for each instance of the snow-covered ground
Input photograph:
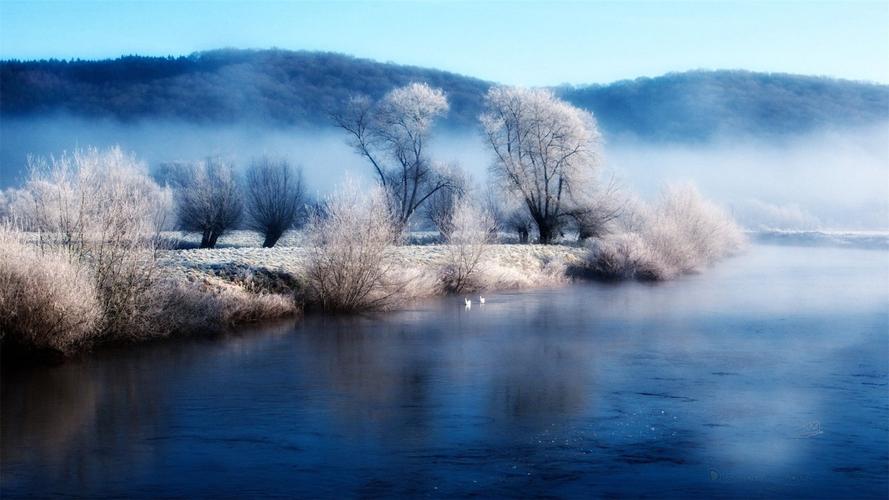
x,y
239,256
505,265
244,238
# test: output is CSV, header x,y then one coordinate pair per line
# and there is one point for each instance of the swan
x,y
481,300
467,302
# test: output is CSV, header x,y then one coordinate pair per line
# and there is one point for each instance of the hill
x,y
700,104
301,88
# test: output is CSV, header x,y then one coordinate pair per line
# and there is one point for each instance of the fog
x,y
825,180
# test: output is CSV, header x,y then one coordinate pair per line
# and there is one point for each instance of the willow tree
x,y
545,153
209,200
392,134
274,198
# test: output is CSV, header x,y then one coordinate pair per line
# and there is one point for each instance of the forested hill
x,y
286,87
700,104
227,85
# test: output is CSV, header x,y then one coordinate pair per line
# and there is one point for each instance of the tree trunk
x,y
271,238
547,233
523,236
205,239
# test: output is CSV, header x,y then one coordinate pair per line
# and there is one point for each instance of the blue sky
x,y
526,43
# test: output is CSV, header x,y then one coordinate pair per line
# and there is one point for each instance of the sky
x,y
519,43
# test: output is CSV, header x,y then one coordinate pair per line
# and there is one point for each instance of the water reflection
x,y
722,384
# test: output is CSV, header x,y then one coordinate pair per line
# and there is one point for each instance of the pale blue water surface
x,y
764,377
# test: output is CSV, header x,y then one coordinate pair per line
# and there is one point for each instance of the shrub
x,y
683,233
105,213
350,264
623,256
185,308
712,233
471,231
47,299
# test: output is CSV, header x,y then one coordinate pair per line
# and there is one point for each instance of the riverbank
x,y
198,292
282,270
208,291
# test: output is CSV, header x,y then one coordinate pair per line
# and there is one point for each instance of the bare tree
x,y
209,201
275,198
439,208
545,152
392,135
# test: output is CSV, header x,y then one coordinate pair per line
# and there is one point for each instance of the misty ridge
x,y
781,151
302,88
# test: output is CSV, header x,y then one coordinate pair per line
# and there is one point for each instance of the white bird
x,y
468,302
481,300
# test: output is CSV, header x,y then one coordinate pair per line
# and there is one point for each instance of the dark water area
x,y
765,377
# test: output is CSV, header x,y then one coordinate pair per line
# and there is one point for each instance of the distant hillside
x,y
218,86
699,104
285,88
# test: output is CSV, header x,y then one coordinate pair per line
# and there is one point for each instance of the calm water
x,y
765,377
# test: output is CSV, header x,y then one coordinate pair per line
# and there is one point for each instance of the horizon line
x,y
5,60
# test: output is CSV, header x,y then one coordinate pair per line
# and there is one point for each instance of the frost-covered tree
x,y
274,196
209,200
392,134
545,153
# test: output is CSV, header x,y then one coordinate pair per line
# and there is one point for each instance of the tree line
x,y
544,154
545,182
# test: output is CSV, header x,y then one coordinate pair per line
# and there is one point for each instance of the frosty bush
x,y
682,233
184,308
101,208
350,265
471,231
47,300
623,256
439,207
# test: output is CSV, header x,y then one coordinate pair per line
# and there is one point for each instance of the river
x,y
765,376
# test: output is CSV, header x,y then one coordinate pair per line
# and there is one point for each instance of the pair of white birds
x,y
468,301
